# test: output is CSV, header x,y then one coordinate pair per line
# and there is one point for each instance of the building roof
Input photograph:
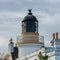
x,y
30,17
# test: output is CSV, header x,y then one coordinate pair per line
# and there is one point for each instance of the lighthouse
x,y
29,41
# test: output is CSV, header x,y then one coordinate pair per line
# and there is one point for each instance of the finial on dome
x,y
29,12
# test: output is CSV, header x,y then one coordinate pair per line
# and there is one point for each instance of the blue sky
x,y
12,13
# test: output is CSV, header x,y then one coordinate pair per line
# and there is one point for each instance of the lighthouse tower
x,y
29,41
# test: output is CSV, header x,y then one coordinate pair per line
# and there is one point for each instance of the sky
x,y
12,13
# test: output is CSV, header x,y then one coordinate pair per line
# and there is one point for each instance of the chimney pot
x,y
57,35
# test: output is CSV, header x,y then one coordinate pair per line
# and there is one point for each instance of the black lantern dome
x,y
30,17
30,23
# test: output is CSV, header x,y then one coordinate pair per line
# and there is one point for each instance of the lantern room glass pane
x,y
31,26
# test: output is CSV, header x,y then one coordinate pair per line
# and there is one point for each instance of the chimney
x,y
57,35
53,36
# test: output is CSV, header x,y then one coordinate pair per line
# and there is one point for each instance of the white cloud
x,y
45,17
7,14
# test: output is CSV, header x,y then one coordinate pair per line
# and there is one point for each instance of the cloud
x,y
45,17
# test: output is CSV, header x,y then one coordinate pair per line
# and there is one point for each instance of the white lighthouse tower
x,y
29,41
